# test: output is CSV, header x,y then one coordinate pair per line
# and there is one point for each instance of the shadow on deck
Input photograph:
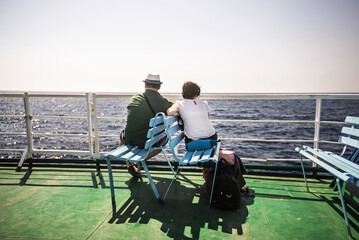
x,y
54,203
184,208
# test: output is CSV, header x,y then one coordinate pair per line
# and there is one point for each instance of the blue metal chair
x,y
175,136
133,154
345,170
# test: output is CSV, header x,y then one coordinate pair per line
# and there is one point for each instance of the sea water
x,y
221,109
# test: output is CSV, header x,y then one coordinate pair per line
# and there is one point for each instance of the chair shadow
x,y
184,212
351,196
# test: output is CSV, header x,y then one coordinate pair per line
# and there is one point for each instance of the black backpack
x,y
226,192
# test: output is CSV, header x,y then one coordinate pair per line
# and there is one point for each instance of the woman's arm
x,y
173,111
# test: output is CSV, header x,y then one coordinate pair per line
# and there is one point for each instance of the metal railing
x,y
94,136
30,150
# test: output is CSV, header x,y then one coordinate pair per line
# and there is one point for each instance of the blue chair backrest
x,y
174,133
162,126
156,132
352,134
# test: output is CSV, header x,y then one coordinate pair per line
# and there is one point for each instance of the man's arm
x,y
173,110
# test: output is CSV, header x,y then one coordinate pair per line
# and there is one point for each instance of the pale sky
x,y
254,46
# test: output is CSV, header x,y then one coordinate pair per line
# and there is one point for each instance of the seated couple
x,y
143,107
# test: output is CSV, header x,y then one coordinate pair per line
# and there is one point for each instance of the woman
x,y
194,113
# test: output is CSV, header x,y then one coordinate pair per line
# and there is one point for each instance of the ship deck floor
x,y
63,203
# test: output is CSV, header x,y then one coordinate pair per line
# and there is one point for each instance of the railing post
x,y
97,144
318,109
89,123
28,118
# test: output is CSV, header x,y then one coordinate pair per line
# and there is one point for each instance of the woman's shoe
x,y
133,171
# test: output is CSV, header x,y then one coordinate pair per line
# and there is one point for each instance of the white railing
x,y
30,150
94,137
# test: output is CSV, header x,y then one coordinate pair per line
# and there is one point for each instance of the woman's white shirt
x,y
195,115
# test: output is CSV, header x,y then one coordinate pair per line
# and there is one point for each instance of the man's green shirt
x,y
139,115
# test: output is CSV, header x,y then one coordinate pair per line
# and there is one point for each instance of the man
x,y
139,113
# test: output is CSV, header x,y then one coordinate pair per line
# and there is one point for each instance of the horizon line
x,y
172,93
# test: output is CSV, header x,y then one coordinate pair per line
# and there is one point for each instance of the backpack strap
x,y
224,160
148,103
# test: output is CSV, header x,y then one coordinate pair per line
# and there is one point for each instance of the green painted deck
x,y
54,203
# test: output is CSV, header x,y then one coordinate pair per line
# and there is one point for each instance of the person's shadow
x,y
185,210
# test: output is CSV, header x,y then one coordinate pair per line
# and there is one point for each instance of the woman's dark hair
x,y
190,90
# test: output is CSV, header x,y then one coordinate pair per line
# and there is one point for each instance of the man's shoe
x,y
245,190
133,171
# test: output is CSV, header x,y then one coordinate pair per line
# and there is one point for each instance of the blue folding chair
x,y
175,136
156,136
344,170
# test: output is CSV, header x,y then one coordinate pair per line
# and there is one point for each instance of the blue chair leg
x,y
305,178
144,165
108,161
343,206
169,163
139,168
214,179
171,183
180,170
